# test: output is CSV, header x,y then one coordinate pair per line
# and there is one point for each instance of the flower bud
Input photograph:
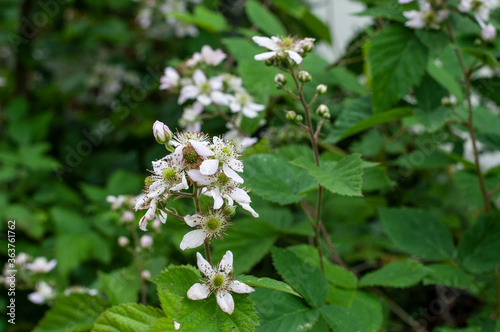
x,y
449,101
323,111
299,118
489,32
128,216
123,241
290,115
308,45
269,62
162,133
280,80
304,76
146,241
321,89
230,210
145,274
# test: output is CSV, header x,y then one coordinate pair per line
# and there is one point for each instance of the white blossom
x,y
481,8
211,224
43,293
204,91
116,201
281,47
146,241
243,102
225,155
426,17
41,265
170,79
489,32
219,281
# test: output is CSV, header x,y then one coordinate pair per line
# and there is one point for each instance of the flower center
x,y
206,88
213,224
190,155
287,42
218,280
223,179
169,175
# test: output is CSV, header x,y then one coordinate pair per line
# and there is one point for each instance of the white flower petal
x,y
294,56
225,301
201,148
249,209
199,77
204,100
162,216
236,164
218,201
239,287
226,263
240,196
232,174
209,166
219,98
36,298
264,56
193,239
198,292
265,42
193,220
204,266
198,177
188,92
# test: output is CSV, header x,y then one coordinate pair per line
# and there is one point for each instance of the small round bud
x,y
146,241
290,115
308,45
123,241
128,216
321,89
145,274
280,80
161,132
449,101
299,118
489,32
323,111
304,76
269,62
230,210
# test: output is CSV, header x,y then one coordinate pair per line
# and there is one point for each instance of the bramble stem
x,y
316,158
207,252
469,123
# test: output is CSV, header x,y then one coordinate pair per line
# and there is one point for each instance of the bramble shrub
x,y
201,166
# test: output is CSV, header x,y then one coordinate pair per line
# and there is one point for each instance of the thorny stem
x,y
469,123
207,252
316,158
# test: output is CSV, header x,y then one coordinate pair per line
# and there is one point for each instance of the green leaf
x,y
483,55
263,18
398,60
272,179
344,177
449,329
356,111
282,312
447,275
396,274
170,303
418,233
470,189
485,122
479,249
347,80
76,312
204,18
305,278
267,283
364,308
206,316
163,324
121,285
249,238
336,275
130,317
377,119
177,279
441,75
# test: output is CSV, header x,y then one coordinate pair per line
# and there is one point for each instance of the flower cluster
x,y
286,48
211,167
221,94
429,16
157,17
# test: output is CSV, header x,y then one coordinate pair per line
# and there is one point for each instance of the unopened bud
x,y
123,241
304,76
161,132
449,101
323,111
230,210
290,115
280,80
146,241
489,32
299,118
308,45
128,216
321,89
145,274
269,62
